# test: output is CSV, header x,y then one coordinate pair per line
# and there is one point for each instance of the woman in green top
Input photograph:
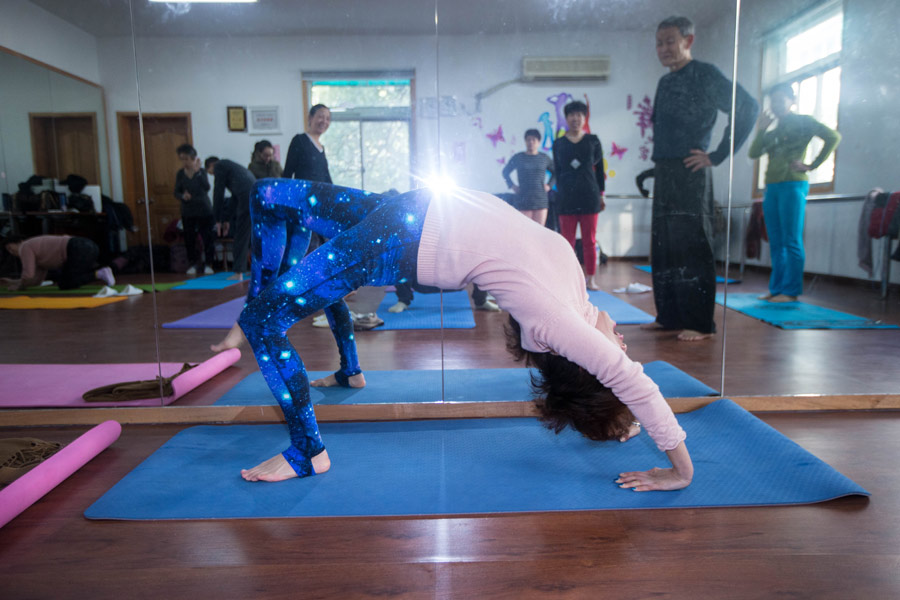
x,y
787,185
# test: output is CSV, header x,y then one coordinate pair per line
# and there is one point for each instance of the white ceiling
x,y
106,18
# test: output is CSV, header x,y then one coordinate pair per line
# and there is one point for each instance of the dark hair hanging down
x,y
569,396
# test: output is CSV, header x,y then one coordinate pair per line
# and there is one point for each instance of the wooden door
x,y
64,144
163,133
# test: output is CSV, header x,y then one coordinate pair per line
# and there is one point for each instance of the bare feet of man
x,y
356,381
653,325
278,469
689,335
234,339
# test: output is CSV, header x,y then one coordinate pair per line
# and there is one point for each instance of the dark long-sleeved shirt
x,y
579,175
787,143
198,187
239,182
685,110
306,161
531,172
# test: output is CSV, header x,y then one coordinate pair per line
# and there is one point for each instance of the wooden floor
x,y
847,548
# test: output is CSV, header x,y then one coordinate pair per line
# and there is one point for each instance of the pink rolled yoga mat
x,y
204,371
33,386
31,487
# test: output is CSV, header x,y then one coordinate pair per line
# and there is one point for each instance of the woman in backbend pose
x,y
446,240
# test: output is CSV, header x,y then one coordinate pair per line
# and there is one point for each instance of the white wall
x,y
868,121
267,71
32,31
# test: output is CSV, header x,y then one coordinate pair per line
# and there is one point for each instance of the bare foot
x,y
689,335
234,339
632,431
236,277
590,283
278,469
653,325
356,381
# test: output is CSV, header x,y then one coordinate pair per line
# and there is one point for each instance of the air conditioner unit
x,y
565,67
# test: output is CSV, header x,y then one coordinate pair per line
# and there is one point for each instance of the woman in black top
x,y
192,189
580,182
306,155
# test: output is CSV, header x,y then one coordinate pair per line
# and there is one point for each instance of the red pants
x,y
588,224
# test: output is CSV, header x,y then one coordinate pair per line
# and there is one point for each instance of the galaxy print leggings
x,y
372,240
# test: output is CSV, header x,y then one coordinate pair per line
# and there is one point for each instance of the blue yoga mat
x,y
472,466
620,311
222,316
460,385
797,315
719,278
425,312
217,281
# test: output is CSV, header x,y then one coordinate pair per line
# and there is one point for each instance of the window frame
x,y
772,72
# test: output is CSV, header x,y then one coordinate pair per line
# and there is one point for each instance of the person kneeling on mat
x,y
74,260
446,240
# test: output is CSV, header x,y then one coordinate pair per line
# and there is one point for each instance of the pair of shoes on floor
x,y
128,290
780,298
489,306
365,322
398,308
106,276
320,321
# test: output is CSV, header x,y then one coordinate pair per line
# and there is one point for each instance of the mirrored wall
x,y
417,90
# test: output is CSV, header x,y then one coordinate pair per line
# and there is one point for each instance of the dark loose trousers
x,y
205,228
81,260
684,271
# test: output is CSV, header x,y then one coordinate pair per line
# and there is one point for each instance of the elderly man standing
x,y
688,99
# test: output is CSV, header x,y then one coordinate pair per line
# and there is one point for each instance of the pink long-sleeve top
x,y
475,237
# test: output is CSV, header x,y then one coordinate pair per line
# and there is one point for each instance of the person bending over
x,y
72,261
446,240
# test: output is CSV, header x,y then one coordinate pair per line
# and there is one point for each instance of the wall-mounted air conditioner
x,y
565,67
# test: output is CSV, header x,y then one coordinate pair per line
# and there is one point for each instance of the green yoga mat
x,y
88,290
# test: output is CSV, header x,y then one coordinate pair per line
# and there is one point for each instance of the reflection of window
x,y
368,143
807,54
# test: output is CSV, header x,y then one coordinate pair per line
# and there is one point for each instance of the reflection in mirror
x,y
57,139
817,67
515,69
264,82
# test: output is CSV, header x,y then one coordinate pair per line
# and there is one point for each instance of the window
x,y
369,140
807,54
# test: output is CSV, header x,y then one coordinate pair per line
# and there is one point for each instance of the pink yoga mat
x,y
31,487
33,386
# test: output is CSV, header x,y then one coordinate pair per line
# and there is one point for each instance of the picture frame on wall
x,y
237,118
265,120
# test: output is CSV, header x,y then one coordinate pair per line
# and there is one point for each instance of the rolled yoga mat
x,y
797,315
31,386
619,311
33,485
719,278
460,385
468,466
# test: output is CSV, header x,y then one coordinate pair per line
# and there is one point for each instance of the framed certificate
x,y
264,120
237,118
